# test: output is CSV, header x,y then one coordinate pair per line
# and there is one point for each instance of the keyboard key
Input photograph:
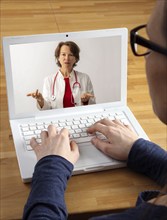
x,y
25,129
84,134
91,121
74,126
78,130
29,148
40,127
62,124
76,135
37,131
33,128
62,120
69,123
29,137
83,121
76,122
81,126
27,133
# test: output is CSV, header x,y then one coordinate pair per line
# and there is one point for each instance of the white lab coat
x,y
59,89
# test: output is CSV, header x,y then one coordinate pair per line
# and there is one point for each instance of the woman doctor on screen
x,y
67,87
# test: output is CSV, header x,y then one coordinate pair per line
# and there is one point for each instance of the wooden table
x,y
112,190
102,191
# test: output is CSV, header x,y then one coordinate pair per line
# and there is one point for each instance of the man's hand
x,y
120,138
55,144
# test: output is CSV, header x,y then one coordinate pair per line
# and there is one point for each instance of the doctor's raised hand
x,y
38,96
120,138
85,98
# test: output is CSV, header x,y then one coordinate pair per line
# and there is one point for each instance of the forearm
x,y
49,181
148,158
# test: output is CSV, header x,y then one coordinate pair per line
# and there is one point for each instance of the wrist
x,y
85,103
40,102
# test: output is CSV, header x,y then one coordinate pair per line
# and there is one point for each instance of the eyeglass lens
x,y
138,48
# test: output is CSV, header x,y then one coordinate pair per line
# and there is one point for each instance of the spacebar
x,y
83,139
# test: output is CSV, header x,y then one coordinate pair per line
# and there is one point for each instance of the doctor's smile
x,y
67,87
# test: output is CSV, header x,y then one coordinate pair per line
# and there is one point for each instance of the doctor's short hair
x,y
75,50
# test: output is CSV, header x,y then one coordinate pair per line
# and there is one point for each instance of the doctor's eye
x,y
71,55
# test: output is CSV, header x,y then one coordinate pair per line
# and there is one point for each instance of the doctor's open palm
x,y
38,96
85,97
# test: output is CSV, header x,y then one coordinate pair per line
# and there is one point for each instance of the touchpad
x,y
91,156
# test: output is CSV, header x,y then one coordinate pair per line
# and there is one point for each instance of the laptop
x,y
29,59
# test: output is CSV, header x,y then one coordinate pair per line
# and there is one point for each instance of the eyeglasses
x,y
141,44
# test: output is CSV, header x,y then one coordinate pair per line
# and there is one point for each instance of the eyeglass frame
x,y
137,39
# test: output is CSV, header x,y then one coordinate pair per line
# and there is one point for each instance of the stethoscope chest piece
x,y
53,97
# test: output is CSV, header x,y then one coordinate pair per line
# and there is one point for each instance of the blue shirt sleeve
x,y
150,159
46,199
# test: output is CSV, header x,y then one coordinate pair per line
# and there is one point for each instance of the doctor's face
x,y
66,57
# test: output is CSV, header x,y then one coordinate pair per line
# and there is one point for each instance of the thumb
x,y
74,147
33,143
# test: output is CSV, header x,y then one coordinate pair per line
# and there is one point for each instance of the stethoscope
x,y
75,84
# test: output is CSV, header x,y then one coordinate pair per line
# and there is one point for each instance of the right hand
x,y
54,143
38,96
120,138
85,97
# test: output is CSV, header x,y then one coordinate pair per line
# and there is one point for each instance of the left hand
x,y
85,97
54,143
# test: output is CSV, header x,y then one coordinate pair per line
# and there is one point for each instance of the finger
x,y
89,95
107,122
52,131
118,122
86,95
129,127
33,143
101,145
97,127
64,131
44,135
37,93
74,146
74,151
33,95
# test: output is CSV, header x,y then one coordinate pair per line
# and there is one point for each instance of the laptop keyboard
x,y
77,127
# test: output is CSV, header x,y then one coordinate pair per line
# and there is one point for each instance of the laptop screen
x,y
29,60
